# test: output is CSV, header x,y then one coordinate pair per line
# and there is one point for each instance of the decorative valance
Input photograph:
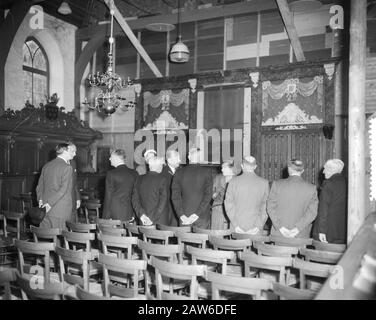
x,y
166,110
294,104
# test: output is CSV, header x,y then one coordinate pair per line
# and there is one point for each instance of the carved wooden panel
x,y
310,147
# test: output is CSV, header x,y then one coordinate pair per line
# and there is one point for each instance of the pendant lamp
x,y
179,52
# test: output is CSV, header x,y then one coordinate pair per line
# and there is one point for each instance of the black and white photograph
x,y
211,151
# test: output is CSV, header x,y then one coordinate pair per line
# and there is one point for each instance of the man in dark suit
x,y
76,197
169,170
192,189
150,195
119,187
54,189
292,204
331,223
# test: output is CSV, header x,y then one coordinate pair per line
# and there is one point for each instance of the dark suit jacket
x,y
332,214
118,195
292,203
192,190
75,193
55,188
150,197
168,174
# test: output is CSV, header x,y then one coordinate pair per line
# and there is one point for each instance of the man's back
x,y
293,203
245,201
192,188
119,187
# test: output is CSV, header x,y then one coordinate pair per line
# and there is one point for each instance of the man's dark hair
x,y
61,147
120,153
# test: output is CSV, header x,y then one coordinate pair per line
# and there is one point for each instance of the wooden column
x,y
357,79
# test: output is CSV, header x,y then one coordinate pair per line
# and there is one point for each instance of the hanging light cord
x,y
179,31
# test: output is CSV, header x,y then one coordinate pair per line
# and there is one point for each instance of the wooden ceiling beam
x,y
132,38
188,16
288,21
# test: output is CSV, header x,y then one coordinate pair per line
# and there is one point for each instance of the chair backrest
x,y
218,257
291,293
13,223
329,257
118,243
81,227
122,266
7,275
250,286
290,242
92,206
109,222
170,251
74,238
215,233
47,291
173,228
36,249
252,260
230,244
314,269
252,237
111,230
318,245
180,272
154,234
275,251
189,237
75,258
133,230
44,234
83,294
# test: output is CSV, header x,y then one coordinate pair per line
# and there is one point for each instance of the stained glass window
x,y
36,72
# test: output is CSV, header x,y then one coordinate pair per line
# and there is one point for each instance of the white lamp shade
x,y
179,52
64,8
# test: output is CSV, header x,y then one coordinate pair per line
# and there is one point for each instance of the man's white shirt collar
x,y
66,161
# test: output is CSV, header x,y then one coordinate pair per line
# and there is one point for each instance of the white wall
x,y
58,40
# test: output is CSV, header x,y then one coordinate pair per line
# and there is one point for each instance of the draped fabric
x,y
166,109
293,104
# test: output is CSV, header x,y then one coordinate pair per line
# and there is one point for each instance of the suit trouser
x,y
53,222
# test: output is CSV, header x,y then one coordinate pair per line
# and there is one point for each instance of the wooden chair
x,y
111,231
122,269
132,230
311,269
219,259
13,225
118,245
77,262
47,291
174,271
290,293
252,237
7,275
109,222
153,235
290,242
318,245
275,251
91,206
45,234
259,264
83,294
240,285
36,250
190,238
173,228
215,233
170,252
81,227
328,257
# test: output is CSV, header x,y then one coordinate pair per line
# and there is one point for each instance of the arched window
x,y
36,72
